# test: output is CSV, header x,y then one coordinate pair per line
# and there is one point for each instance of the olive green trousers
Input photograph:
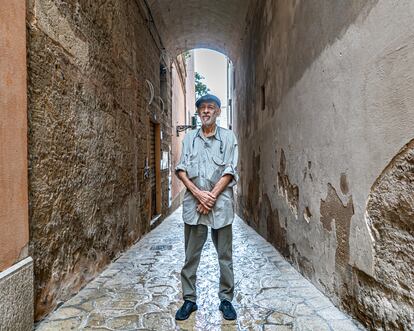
x,y
195,238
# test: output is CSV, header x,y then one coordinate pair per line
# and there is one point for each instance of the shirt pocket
x,y
192,156
192,166
218,165
192,170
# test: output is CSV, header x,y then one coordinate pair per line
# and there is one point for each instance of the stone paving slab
x,y
142,290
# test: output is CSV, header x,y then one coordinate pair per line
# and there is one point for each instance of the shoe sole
x,y
183,319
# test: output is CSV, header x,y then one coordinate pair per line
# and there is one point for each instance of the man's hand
x,y
206,199
202,210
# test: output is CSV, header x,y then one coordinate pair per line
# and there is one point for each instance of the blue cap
x,y
208,97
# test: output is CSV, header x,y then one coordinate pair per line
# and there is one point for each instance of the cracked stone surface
x,y
142,291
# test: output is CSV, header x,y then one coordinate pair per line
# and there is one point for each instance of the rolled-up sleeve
x,y
231,165
182,164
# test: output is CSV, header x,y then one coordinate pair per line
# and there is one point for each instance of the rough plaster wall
x,y
337,78
390,210
16,292
88,122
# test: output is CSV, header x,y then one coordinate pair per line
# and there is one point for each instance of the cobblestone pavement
x,y
142,290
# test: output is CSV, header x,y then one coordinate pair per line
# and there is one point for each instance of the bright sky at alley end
x,y
213,66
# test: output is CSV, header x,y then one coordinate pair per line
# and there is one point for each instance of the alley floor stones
x,y
142,291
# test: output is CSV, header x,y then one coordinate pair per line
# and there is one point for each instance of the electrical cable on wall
x,y
151,88
162,104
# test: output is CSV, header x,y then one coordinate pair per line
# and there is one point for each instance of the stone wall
x,y
89,120
324,99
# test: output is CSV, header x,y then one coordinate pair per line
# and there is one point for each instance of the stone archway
x,y
189,24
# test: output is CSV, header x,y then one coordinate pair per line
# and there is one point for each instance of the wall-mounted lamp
x,y
180,128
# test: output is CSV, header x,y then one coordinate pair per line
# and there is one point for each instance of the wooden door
x,y
154,165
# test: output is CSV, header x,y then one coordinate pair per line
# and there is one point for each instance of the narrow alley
x,y
97,98
141,290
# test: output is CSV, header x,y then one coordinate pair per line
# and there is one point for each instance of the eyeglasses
x,y
208,106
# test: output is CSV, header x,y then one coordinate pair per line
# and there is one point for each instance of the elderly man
x,y
208,169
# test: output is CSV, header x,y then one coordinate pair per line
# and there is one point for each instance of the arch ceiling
x,y
188,24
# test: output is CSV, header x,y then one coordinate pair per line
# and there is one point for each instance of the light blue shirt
x,y
206,160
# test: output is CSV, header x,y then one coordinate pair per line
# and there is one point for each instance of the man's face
x,y
208,112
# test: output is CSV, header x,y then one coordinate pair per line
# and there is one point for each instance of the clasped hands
x,y
206,201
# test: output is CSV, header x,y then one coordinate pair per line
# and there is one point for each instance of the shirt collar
x,y
216,134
